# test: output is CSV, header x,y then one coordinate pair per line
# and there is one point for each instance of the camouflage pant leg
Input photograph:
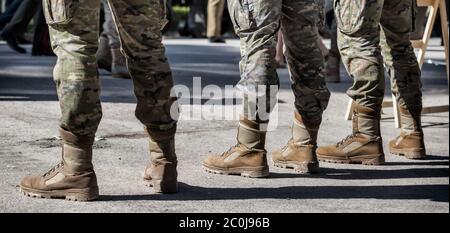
x,y
400,60
74,36
300,22
359,44
139,25
320,10
109,28
257,22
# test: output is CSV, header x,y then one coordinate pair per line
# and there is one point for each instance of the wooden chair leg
x,y
427,33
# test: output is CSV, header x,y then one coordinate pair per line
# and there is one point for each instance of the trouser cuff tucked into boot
x,y
363,146
252,134
73,179
299,153
410,123
247,158
81,146
161,172
366,121
410,143
304,132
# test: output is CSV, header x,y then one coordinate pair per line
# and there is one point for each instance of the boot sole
x,y
374,159
88,194
418,153
158,187
302,168
245,172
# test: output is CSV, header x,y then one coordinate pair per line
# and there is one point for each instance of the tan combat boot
x,y
73,179
119,67
410,142
247,158
363,146
300,152
161,172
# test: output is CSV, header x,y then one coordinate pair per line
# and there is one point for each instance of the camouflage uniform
x,y
257,22
74,29
370,30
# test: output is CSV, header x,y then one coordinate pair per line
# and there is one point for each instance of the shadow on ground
x,y
438,193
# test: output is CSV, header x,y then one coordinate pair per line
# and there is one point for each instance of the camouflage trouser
x,y
257,22
370,30
74,29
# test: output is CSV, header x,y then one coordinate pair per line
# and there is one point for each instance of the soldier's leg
x,y
214,22
196,21
403,68
74,36
358,39
300,22
256,22
139,25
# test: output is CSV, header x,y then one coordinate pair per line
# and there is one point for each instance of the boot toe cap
x,y
392,143
213,161
325,150
277,155
30,182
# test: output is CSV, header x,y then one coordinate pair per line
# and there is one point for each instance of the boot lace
x,y
230,149
287,145
53,169
343,141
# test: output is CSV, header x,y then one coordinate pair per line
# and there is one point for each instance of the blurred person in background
x,y
19,22
214,24
109,56
41,38
10,8
196,23
279,57
333,60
